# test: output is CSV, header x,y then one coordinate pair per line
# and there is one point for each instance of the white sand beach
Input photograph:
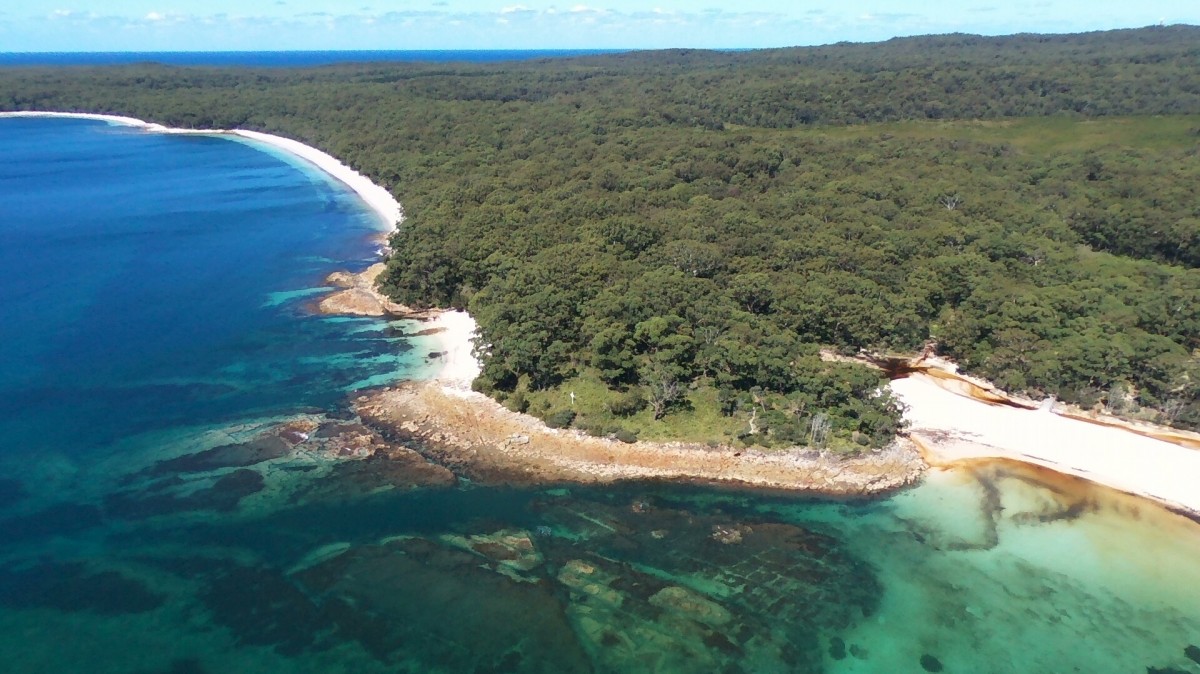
x,y
379,199
111,119
376,197
951,427
456,332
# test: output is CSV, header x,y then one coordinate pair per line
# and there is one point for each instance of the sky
x,y
220,25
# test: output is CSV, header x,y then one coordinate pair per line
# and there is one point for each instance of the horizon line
x,y
598,49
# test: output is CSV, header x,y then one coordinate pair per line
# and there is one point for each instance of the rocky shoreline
x,y
357,295
475,437
481,440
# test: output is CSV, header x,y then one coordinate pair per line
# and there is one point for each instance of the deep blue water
x,y
146,279
281,59
158,350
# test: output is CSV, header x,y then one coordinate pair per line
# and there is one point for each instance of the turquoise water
x,y
156,517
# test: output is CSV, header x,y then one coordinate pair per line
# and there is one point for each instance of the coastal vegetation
x,y
663,244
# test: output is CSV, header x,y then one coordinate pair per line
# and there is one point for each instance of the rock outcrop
x,y
358,295
477,437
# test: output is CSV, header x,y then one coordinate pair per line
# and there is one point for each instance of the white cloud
x,y
656,24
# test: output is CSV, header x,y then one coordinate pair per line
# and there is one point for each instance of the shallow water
x,y
155,308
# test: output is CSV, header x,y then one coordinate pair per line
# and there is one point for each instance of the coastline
x,y
955,420
958,420
452,330
375,196
477,436
378,199
456,334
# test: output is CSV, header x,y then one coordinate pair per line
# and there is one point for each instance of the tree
x,y
663,390
818,431
950,201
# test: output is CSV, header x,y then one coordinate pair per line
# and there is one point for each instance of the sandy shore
x,y
376,197
456,334
951,426
379,199
452,356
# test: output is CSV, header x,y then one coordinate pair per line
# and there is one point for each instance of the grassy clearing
x,y
699,420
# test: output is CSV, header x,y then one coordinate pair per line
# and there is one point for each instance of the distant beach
x,y
376,197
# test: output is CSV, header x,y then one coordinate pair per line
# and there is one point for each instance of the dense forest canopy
x,y
674,236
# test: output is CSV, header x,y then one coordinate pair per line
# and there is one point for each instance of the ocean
x,y
289,59
182,491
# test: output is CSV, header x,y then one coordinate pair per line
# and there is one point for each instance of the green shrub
x,y
517,402
628,403
560,418
595,429
625,435
727,399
